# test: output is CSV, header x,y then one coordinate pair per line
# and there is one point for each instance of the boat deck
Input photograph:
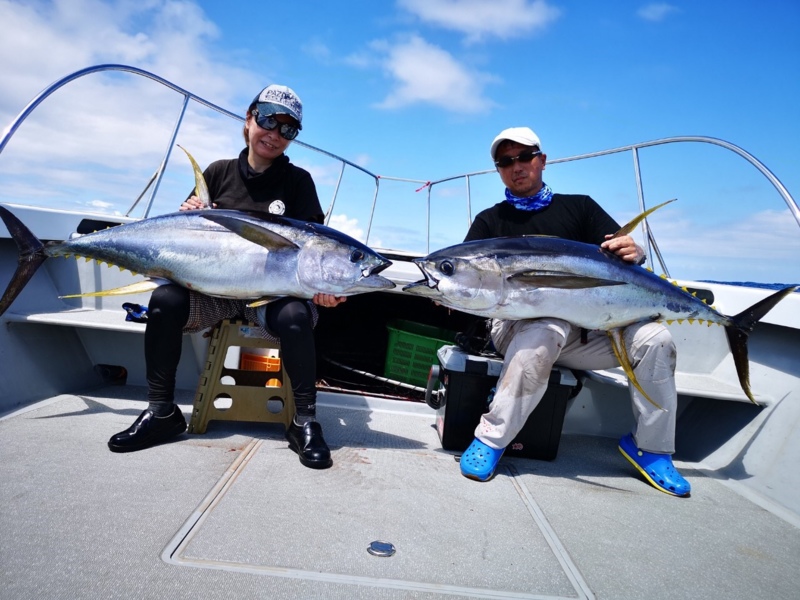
x,y
232,514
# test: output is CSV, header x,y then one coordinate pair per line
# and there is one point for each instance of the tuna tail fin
x,y
739,330
31,257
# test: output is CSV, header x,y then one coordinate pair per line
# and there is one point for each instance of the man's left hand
x,y
624,247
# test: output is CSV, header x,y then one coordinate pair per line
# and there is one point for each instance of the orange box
x,y
256,362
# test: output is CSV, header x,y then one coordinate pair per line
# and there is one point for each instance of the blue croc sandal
x,y
479,461
657,468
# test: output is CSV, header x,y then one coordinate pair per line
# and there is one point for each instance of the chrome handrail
x,y
11,129
651,248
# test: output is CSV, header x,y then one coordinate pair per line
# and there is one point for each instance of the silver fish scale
x,y
202,255
526,278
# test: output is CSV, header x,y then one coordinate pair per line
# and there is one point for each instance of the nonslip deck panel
x,y
407,499
82,522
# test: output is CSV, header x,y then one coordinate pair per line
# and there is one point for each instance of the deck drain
x,y
378,548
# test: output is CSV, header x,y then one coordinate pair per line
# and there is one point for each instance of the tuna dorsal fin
x,y
560,279
140,287
621,352
250,231
626,229
200,186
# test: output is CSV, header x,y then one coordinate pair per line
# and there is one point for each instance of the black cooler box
x,y
465,384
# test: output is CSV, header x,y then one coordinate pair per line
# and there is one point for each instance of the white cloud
x,y
770,230
322,174
342,223
478,19
656,12
128,119
360,60
756,234
362,160
317,50
761,247
45,40
426,74
100,204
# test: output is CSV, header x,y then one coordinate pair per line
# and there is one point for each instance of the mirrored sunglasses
x,y
523,157
269,122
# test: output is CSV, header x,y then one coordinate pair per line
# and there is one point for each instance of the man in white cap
x,y
531,347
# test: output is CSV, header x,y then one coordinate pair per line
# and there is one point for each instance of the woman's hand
x,y
328,300
194,203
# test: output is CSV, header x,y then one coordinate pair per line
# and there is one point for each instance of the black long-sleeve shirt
x,y
283,189
570,216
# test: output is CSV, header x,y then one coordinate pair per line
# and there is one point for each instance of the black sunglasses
x,y
523,157
269,122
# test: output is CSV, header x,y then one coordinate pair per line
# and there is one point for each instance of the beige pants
x,y
532,347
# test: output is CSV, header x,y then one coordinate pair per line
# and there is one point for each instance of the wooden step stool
x,y
253,395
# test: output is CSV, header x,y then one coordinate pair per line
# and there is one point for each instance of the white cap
x,y
521,135
280,100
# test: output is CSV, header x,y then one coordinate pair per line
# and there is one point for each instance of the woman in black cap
x,y
261,179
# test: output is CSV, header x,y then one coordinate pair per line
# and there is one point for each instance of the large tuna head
x,y
316,257
465,277
333,262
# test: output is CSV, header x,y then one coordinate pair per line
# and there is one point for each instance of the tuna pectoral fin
x,y
621,352
739,330
561,280
140,287
251,232
31,257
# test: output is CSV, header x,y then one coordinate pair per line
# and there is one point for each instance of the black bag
x,y
477,339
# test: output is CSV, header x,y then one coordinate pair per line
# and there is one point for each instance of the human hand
x,y
624,247
328,300
194,203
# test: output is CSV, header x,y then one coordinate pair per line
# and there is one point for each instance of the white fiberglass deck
x,y
233,514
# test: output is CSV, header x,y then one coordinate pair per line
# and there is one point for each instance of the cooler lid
x,y
455,359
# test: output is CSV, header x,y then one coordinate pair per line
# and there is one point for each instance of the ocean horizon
x,y
753,284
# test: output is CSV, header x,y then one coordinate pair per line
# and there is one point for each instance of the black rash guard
x,y
570,216
283,189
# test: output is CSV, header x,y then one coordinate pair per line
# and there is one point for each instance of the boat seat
x,y
257,389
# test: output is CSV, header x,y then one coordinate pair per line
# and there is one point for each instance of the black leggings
x,y
288,318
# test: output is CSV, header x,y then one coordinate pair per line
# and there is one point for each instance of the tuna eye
x,y
356,256
447,268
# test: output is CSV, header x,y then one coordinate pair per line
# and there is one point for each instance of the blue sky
x,y
417,89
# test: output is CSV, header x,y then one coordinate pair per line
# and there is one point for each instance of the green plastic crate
x,y
412,350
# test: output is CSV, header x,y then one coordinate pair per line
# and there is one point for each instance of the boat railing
x,y
651,246
155,181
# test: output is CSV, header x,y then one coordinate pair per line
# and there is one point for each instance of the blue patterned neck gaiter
x,y
535,203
